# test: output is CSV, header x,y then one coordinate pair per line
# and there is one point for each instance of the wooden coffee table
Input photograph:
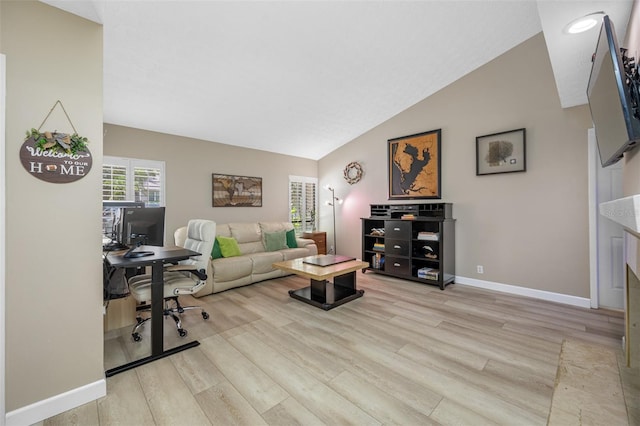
x,y
322,293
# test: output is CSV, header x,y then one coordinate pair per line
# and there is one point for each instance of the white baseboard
x,y
581,302
49,407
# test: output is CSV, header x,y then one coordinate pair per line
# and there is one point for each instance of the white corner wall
x,y
3,267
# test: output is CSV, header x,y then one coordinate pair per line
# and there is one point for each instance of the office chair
x,y
186,277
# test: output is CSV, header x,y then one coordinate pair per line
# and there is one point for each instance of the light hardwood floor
x,y
404,353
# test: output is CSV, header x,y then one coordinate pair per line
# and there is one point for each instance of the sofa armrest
x,y
303,242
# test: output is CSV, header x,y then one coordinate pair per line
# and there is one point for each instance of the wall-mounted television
x,y
610,100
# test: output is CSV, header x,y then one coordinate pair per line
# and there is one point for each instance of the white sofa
x,y
254,263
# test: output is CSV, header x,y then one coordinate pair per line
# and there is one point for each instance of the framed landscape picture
x,y
236,191
503,152
414,166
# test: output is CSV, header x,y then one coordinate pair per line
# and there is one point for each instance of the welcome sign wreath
x,y
56,157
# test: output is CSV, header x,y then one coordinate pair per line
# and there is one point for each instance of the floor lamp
x,y
332,203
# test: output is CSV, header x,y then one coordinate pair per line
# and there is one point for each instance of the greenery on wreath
x,y
57,142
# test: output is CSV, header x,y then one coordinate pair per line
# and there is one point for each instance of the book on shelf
x,y
429,273
378,247
377,261
408,216
428,236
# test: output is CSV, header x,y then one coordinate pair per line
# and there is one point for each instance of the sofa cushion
x,y
231,268
262,261
245,232
223,230
228,246
274,241
273,227
291,239
216,253
250,248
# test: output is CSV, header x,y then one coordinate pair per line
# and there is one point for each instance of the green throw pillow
x,y
228,247
215,252
274,241
291,239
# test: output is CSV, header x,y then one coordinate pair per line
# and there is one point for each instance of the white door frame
x,y
3,268
592,158
600,229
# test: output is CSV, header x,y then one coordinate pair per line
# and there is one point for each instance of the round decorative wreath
x,y
353,172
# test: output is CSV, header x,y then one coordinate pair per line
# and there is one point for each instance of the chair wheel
x,y
205,315
182,332
136,337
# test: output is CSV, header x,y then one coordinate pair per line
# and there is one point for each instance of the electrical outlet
x,y
480,269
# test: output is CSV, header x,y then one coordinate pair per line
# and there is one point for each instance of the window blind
x,y
147,185
114,182
303,203
130,179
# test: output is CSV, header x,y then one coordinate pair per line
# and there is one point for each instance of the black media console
x,y
411,241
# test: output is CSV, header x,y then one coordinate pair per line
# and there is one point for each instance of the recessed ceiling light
x,y
584,23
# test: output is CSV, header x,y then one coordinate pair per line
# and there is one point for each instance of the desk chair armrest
x,y
179,267
189,290
201,274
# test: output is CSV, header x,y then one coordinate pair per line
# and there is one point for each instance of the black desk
x,y
161,256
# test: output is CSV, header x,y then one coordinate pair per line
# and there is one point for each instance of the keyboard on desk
x,y
114,246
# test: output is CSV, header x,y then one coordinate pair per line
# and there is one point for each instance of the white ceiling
x,y
305,77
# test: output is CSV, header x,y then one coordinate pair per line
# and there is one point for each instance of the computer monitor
x,y
111,214
142,226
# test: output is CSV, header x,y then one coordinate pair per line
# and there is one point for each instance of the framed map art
x,y
414,166
236,191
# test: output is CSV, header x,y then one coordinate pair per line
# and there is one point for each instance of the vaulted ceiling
x,y
305,77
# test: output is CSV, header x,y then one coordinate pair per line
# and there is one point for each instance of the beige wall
x,y
527,229
189,165
631,186
54,269
631,165
631,173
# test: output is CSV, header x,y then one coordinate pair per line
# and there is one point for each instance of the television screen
x,y
142,225
617,130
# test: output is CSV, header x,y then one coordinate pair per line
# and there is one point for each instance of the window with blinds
x,y
130,179
114,182
303,203
147,185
